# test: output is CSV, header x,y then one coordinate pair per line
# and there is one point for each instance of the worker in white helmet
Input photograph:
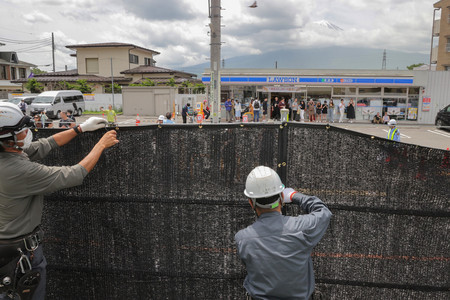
x,y
393,133
276,249
23,184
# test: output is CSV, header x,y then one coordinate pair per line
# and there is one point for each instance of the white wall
x,y
95,101
182,99
437,87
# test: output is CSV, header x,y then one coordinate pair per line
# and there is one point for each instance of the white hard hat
x,y
161,118
12,119
263,182
392,122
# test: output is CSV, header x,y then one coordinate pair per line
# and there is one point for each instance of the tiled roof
x,y
111,44
165,80
153,70
69,78
73,72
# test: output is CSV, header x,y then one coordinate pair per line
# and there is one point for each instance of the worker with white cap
x,y
276,249
393,133
23,185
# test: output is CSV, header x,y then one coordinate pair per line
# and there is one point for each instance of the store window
x,y
395,107
342,91
395,91
370,91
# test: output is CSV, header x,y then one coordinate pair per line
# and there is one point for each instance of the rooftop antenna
x,y
383,65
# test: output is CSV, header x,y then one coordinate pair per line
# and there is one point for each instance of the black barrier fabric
x,y
156,217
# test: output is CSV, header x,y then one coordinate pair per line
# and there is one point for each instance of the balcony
x,y
436,27
434,55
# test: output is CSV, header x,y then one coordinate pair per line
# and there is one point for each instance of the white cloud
x,y
178,29
36,17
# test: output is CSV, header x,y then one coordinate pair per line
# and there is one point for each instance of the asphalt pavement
x,y
422,135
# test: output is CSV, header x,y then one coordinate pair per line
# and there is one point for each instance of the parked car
x,y
28,100
443,118
54,102
4,100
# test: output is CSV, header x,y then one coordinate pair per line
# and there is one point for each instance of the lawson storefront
x,y
394,92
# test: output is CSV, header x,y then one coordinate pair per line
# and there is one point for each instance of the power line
x,y
11,41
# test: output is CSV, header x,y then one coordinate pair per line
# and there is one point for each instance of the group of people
x,y
378,119
314,111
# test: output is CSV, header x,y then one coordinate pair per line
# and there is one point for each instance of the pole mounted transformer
x,y
215,35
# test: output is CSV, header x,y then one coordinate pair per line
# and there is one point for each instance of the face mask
x,y
27,140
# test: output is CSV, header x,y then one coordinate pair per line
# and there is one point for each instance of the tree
x,y
34,86
171,82
117,89
199,88
146,82
64,85
414,66
37,71
83,86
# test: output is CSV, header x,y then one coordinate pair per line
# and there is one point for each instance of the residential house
x,y
100,64
11,68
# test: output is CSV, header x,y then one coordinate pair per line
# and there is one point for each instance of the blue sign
x,y
289,80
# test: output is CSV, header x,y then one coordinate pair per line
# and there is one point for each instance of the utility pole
x,y
383,65
215,34
112,84
53,51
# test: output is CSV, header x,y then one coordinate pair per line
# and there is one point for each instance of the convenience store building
x,y
413,96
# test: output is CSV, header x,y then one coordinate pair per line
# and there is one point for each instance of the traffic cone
x,y
138,120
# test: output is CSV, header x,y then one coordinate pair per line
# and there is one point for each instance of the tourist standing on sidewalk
x,y
229,117
276,110
319,111
351,111
324,110
264,105
311,110
276,249
302,111
341,111
237,109
294,108
256,110
331,111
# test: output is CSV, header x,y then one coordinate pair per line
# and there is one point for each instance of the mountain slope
x,y
320,58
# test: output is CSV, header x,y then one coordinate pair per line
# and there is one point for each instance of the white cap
x,y
263,182
392,122
161,118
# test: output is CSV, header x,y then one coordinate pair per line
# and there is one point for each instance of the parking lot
x,y
422,135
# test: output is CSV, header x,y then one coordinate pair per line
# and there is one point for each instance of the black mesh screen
x,y
156,217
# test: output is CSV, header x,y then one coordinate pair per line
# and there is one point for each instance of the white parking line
x,y
440,133
401,134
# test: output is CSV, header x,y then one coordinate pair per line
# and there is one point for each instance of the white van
x,y
54,102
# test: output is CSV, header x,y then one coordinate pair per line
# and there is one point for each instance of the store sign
x,y
282,89
426,104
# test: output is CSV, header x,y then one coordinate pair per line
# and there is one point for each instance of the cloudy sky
x,y
178,28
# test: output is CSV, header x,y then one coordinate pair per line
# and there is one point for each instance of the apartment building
x,y
440,54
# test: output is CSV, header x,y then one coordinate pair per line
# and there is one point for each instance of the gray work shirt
x,y
23,184
276,251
